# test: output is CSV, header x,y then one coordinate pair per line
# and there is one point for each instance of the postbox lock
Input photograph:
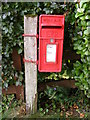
x,y
51,40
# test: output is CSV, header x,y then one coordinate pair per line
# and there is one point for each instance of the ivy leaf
x,y
6,84
88,23
20,51
47,110
4,16
86,32
88,11
88,29
17,83
87,17
41,109
86,53
82,17
80,48
78,15
80,10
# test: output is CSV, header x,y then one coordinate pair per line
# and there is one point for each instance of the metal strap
x,y
30,35
24,60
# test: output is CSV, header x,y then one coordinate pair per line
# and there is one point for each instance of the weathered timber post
x,y
30,53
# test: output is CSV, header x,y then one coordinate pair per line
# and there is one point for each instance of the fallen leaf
x,y
61,113
71,108
82,115
75,106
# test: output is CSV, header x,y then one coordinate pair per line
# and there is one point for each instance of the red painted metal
x,y
25,60
51,36
30,35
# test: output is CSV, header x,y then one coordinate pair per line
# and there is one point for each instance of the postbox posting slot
x,y
45,38
49,31
54,25
51,27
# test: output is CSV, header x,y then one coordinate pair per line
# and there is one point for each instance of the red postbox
x,y
51,36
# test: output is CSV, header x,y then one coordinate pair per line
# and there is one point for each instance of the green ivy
x,y
81,71
13,28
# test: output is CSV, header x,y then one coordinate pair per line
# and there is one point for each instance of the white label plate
x,y
51,53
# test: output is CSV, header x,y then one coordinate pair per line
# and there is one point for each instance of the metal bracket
x,y
24,60
30,35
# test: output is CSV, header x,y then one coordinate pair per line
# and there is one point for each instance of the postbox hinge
x,y
30,35
31,61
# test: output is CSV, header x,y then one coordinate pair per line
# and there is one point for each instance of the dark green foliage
x,y
13,28
60,99
8,102
77,34
81,44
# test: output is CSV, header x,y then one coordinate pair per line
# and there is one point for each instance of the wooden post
x,y
30,53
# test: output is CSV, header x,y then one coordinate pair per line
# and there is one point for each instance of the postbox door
x,y
51,56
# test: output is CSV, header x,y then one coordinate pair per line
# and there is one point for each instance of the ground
x,y
71,106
